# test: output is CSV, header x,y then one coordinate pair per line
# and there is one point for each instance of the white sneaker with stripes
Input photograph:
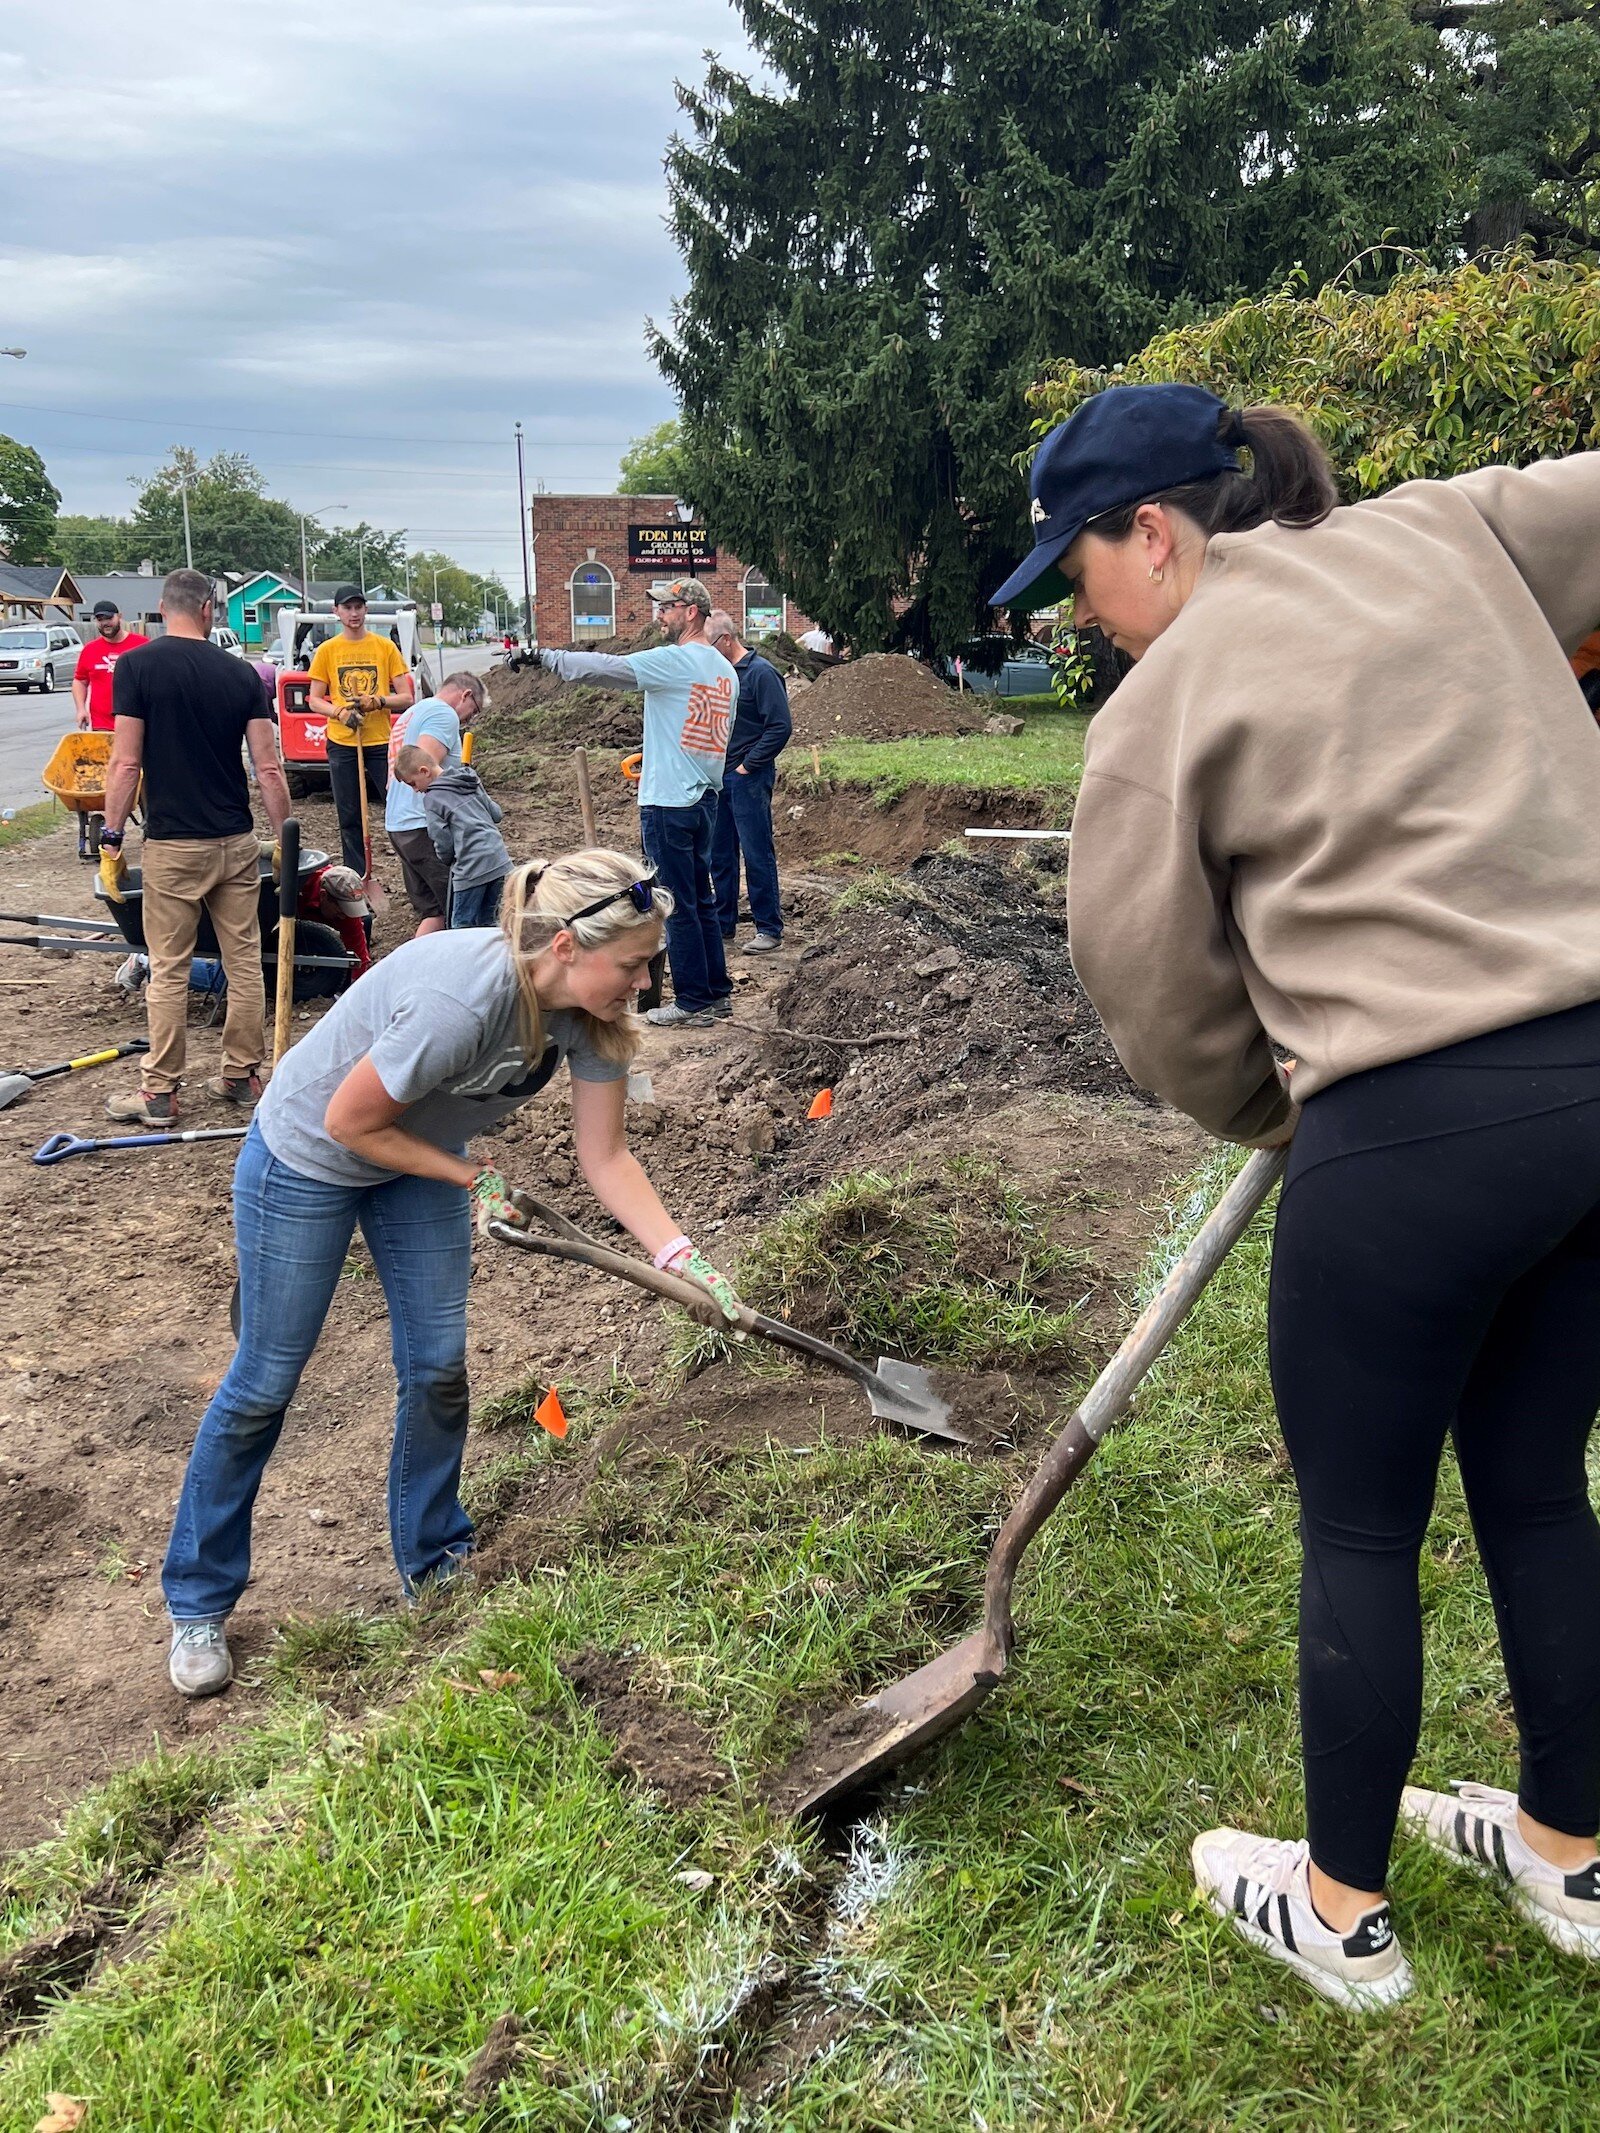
x,y
1476,1825
1260,1885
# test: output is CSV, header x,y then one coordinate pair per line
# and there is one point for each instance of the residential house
x,y
137,593
37,592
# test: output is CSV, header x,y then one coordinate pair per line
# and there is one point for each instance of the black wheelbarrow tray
x,y
129,914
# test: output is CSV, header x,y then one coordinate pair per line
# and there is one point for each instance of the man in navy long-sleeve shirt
x,y
761,730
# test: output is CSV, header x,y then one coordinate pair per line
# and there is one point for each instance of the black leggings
x,y
346,783
1436,1270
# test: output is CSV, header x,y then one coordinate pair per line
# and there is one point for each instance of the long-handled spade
x,y
910,1715
903,1393
371,888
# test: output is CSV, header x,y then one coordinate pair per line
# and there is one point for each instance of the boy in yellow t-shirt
x,y
357,679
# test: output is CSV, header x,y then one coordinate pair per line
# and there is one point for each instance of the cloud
x,y
336,240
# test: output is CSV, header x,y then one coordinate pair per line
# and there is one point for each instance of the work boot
x,y
1476,1825
158,1107
243,1091
200,1663
763,944
722,1009
676,1017
1261,1885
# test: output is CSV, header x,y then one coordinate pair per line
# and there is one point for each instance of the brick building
x,y
597,555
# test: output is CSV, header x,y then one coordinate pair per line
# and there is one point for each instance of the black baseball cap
x,y
344,594
103,609
1126,444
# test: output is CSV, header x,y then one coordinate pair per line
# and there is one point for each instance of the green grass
x,y
1046,758
37,820
1013,1942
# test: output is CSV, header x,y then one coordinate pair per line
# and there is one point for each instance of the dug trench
x,y
938,1006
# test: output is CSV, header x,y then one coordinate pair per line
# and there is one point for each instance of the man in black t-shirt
x,y
184,711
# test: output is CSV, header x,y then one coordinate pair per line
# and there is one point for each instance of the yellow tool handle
x,y
95,1059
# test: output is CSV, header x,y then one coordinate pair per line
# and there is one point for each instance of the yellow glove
x,y
113,873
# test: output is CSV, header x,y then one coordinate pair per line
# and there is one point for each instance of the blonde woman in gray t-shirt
x,y
367,1122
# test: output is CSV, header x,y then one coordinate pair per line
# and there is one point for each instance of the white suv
x,y
38,655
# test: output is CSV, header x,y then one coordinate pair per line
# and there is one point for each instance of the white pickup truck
x,y
302,736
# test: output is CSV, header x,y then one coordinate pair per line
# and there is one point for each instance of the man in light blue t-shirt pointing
x,y
689,694
435,725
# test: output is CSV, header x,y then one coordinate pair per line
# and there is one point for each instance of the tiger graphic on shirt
x,y
709,718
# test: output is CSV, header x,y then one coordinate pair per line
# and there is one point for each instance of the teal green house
x,y
254,606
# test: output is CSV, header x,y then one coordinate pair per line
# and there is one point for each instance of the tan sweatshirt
x,y
1350,800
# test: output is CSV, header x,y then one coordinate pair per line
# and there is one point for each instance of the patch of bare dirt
x,y
883,696
653,1741
821,825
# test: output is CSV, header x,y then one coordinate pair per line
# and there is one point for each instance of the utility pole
x,y
188,544
522,519
361,560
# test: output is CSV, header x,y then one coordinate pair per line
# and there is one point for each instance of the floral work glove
x,y
496,1201
682,1257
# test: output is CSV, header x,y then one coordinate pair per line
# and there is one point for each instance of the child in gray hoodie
x,y
461,821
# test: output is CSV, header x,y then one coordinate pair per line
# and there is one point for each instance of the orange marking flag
x,y
821,1104
551,1415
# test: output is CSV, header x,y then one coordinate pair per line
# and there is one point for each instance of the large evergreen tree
x,y
922,200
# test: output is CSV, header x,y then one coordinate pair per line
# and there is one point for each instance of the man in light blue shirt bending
x,y
689,695
435,725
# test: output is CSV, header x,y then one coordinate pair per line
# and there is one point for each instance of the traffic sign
x,y
436,611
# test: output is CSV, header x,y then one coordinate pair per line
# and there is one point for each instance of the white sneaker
x,y
1260,1885
200,1663
1476,1825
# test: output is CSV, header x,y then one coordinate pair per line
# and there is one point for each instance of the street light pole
x,y
188,544
361,562
522,519
305,574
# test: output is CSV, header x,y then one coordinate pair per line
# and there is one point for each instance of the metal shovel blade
x,y
914,1713
13,1087
904,1393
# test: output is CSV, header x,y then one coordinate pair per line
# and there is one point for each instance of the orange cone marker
x,y
821,1104
551,1415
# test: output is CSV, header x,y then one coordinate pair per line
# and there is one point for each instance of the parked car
x,y
38,655
227,640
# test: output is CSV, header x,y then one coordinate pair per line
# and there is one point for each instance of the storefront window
x,y
763,606
594,603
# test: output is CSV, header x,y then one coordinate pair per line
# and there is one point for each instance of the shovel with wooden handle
x,y
896,1392
372,889
911,1714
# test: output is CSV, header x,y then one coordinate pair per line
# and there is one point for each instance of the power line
x,y
245,429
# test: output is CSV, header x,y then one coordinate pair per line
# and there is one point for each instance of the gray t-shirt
x,y
439,1020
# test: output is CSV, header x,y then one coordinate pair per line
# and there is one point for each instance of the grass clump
x,y
1045,758
38,820
953,1265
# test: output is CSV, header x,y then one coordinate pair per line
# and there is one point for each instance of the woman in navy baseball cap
x,y
1346,803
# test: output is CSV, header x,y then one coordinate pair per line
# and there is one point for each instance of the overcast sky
x,y
357,242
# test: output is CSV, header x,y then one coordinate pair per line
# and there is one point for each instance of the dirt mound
x,y
961,969
550,710
652,1740
881,697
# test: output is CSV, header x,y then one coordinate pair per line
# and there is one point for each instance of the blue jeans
x,y
677,841
744,827
477,906
293,1234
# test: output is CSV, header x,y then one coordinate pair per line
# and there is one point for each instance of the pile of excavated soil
x,y
964,978
881,697
568,711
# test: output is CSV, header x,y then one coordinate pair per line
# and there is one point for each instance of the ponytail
x,y
1290,482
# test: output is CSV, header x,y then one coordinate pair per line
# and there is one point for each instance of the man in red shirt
x,y
91,678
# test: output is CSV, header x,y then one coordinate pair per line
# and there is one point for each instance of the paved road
x,y
30,726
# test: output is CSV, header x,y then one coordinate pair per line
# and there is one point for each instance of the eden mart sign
x,y
669,548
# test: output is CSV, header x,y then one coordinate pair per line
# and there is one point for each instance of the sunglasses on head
x,y
641,894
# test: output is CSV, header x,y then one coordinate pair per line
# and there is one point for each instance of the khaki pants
x,y
181,874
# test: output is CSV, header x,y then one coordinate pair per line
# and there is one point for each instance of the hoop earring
x,y
1156,573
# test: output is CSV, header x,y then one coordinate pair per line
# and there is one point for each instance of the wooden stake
x,y
585,796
